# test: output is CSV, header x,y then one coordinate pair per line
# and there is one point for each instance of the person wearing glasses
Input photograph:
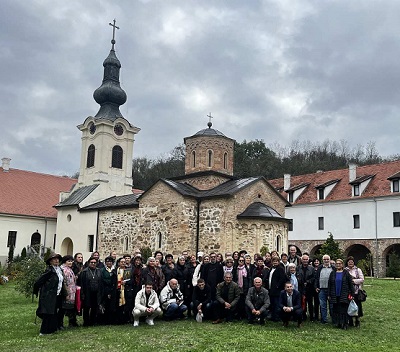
x,y
321,286
91,283
241,275
340,292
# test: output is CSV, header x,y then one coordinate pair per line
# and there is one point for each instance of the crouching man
x,y
171,299
146,305
290,305
257,302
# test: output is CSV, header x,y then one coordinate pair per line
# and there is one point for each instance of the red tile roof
x,y
30,193
378,186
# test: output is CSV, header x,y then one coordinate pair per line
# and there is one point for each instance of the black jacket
x,y
47,284
347,287
278,281
201,296
84,282
307,280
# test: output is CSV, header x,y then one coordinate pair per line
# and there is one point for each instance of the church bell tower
x,y
108,138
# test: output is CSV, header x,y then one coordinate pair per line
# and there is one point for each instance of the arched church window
x,y
90,156
278,243
159,239
225,160
210,158
193,158
117,154
126,244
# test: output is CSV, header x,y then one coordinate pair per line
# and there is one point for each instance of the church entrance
x,y
67,247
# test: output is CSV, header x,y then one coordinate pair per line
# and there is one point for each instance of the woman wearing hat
x,y
68,304
50,285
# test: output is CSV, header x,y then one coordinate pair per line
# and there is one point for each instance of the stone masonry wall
x,y
163,212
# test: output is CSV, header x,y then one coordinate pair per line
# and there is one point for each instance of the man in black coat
x,y
201,299
290,305
276,282
307,274
91,282
213,274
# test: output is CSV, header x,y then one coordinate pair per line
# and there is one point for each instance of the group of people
x,y
206,287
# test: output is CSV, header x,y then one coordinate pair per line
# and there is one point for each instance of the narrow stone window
x,y
159,239
210,158
278,243
126,244
117,154
225,160
90,156
193,158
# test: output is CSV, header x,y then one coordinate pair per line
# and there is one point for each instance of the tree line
x,y
254,158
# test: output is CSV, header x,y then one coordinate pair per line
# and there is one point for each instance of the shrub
x,y
146,253
26,272
264,250
393,270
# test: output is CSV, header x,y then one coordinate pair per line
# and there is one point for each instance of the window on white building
x,y
321,193
90,243
396,185
356,221
396,219
356,190
12,238
320,223
290,197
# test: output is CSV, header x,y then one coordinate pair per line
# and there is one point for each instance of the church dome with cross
x,y
209,150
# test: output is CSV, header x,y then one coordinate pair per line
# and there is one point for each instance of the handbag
x,y
362,295
352,310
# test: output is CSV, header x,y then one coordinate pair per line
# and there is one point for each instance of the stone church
x,y
206,209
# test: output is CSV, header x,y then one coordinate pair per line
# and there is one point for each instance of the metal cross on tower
x,y
209,121
113,38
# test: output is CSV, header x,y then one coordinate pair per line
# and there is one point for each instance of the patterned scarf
x,y
242,272
121,286
70,285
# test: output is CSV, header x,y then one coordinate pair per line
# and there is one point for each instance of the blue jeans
x,y
323,303
175,311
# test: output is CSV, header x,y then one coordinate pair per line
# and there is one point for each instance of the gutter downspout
x,y
97,230
198,225
45,235
376,240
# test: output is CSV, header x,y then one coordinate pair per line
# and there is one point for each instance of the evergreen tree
x,y
331,247
393,270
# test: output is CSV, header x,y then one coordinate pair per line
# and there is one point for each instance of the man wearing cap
x,y
50,284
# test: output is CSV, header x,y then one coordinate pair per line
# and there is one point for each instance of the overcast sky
x,y
272,70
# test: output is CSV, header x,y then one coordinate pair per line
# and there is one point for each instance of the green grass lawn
x,y
380,331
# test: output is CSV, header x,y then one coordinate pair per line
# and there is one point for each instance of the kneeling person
x,y
257,302
201,300
290,305
146,304
171,299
